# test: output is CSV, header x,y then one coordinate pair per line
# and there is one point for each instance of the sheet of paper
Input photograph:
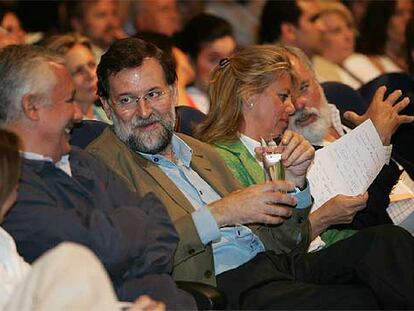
x,y
347,166
401,207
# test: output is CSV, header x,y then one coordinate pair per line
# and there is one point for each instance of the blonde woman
x,y
251,98
77,52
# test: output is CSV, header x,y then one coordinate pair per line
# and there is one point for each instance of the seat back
x,y
344,98
393,81
85,132
187,118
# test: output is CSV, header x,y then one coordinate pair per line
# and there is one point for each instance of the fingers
x,y
406,119
277,211
145,303
277,186
392,98
379,95
353,117
402,104
279,198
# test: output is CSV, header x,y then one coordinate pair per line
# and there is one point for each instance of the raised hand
x,y
264,203
384,113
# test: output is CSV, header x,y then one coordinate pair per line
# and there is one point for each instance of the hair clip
x,y
224,62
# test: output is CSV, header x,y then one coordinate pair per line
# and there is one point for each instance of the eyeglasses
x,y
153,97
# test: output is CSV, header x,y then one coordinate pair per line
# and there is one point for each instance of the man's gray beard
x,y
316,131
151,142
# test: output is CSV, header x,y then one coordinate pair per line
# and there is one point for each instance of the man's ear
x,y
30,106
288,33
174,93
106,107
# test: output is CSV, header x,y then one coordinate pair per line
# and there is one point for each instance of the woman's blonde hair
x,y
63,43
9,163
328,6
233,82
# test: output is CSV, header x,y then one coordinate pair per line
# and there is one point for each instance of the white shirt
x,y
63,164
362,67
13,268
201,100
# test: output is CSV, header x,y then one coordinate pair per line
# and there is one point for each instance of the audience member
x,y
409,37
66,278
337,44
157,15
77,51
320,123
293,23
253,266
242,15
185,72
358,9
96,20
381,40
11,31
206,39
66,195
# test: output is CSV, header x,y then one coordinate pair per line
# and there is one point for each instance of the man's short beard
x,y
316,131
150,142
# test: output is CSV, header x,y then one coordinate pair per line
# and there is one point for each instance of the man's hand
x,y
384,113
297,155
145,303
265,204
341,209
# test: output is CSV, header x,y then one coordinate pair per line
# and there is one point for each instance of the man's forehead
x,y
148,75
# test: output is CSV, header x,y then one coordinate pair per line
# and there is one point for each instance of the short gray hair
x,y
299,54
23,69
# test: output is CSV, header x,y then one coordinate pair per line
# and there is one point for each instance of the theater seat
x,y
344,98
393,81
187,118
84,132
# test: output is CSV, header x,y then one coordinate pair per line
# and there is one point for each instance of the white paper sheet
x,y
401,208
347,166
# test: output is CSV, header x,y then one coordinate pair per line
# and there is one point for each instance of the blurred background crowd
x,y
349,41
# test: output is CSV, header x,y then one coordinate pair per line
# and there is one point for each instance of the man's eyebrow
x,y
314,17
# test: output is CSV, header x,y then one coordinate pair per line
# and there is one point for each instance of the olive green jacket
x,y
248,172
194,261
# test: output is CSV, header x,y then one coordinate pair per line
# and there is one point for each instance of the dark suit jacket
x,y
133,237
193,261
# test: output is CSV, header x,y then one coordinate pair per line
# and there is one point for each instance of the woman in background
x,y
77,52
381,40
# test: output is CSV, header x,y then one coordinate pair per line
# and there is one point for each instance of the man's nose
x,y
143,109
299,102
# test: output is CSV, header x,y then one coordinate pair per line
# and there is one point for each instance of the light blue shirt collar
x,y
182,152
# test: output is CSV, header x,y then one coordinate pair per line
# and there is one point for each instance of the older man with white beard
x,y
320,123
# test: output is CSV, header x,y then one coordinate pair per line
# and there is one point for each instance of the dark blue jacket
x,y
133,237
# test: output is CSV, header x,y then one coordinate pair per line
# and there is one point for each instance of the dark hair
x,y
9,163
130,53
273,15
202,29
162,41
373,28
409,40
